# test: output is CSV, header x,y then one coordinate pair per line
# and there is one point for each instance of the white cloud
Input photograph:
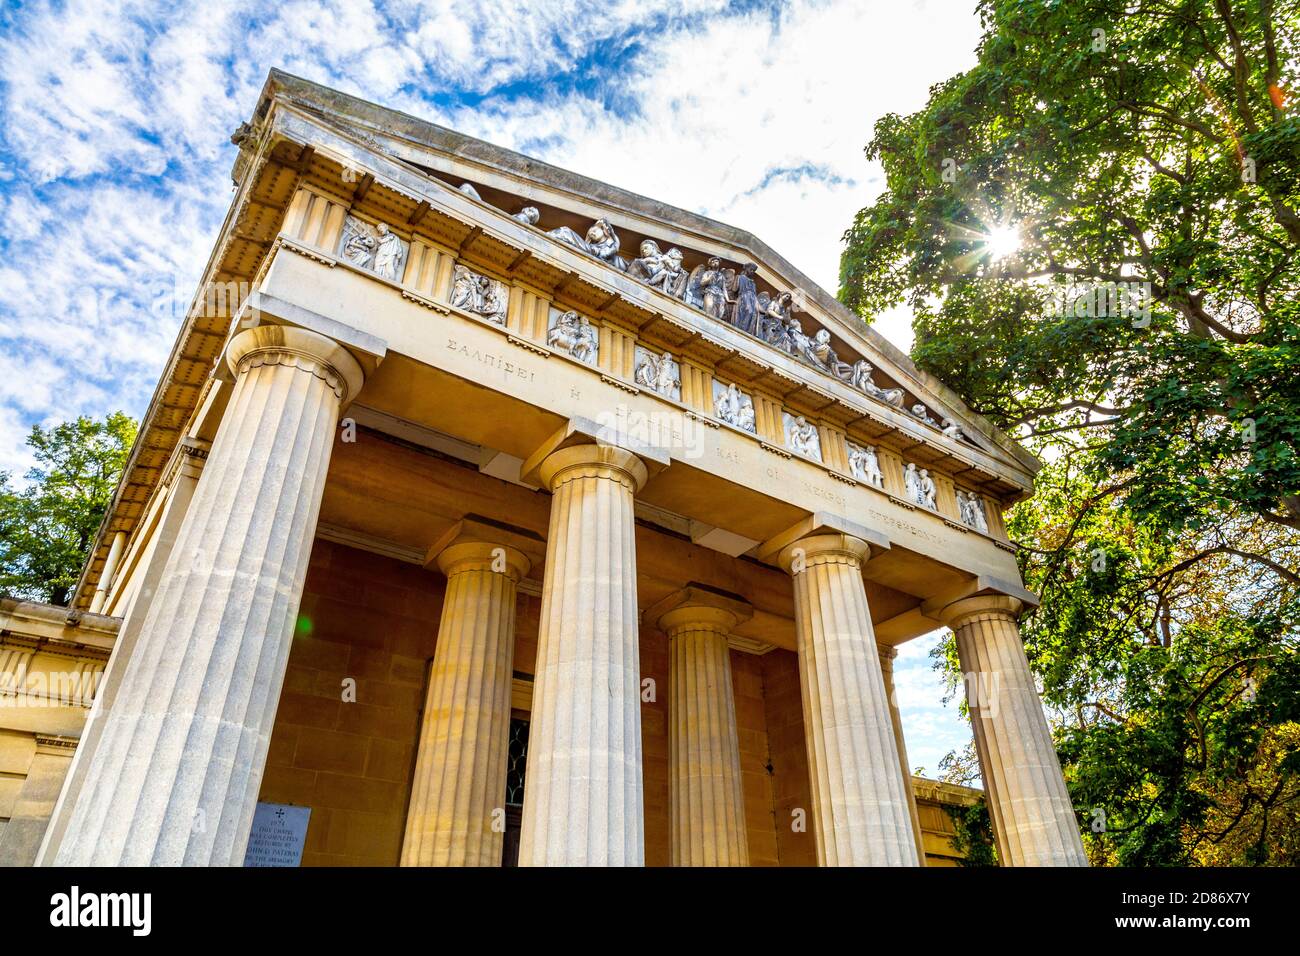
x,y
930,728
116,118
15,456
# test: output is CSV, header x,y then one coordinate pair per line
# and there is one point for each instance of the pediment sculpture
x,y
861,379
744,308
774,317
600,241
732,296
918,411
479,294
706,289
660,270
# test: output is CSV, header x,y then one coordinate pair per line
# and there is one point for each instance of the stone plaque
x,y
278,834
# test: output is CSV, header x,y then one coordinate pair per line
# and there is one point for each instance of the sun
x,y
1002,241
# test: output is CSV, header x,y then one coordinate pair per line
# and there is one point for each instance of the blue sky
x,y
115,152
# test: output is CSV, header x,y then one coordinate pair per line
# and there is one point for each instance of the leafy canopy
x,y
48,525
1096,231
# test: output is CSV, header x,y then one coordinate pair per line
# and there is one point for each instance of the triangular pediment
x,y
568,204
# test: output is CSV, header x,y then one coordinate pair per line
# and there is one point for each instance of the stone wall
x,y
50,667
375,620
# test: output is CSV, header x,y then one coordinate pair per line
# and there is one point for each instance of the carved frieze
x,y
864,464
733,406
373,247
801,436
919,487
479,294
731,295
574,335
659,373
971,508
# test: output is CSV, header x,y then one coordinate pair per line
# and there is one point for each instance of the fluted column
x,y
859,794
181,480
1033,819
175,773
887,655
706,799
458,792
583,801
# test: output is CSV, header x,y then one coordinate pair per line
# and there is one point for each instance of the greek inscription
x,y
508,368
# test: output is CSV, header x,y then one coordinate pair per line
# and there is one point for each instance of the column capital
x,y
189,456
612,451
309,351
484,556
828,526
1000,606
699,607
592,461
824,549
477,544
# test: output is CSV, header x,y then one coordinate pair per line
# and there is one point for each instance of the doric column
x,y
583,802
1028,803
181,479
458,793
859,795
175,773
887,655
706,799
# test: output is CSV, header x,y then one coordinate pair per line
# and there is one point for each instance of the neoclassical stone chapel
x,y
496,514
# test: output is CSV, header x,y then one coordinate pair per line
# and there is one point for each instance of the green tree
x,y
973,836
48,525
1096,230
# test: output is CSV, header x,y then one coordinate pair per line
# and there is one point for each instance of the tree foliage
x,y
1143,339
48,525
973,834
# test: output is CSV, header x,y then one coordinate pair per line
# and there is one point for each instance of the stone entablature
x,y
610,335
51,657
